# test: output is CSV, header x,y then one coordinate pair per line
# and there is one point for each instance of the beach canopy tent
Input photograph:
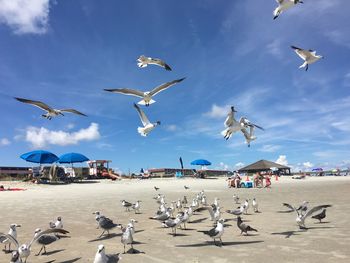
x,y
317,170
72,158
39,157
201,162
264,166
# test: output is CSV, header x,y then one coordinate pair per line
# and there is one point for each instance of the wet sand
x,y
278,240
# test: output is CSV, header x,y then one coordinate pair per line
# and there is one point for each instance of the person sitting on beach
x,y
267,181
2,188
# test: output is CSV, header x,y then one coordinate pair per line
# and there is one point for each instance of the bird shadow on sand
x,y
319,227
188,229
288,234
71,260
134,251
198,220
178,235
285,212
106,237
323,222
211,243
86,182
51,261
53,252
138,243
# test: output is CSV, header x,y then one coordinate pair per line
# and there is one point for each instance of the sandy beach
x,y
278,240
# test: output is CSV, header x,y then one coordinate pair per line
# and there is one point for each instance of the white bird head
x,y
100,249
13,226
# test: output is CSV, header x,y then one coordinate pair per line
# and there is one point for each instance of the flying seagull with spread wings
x,y
284,5
50,112
143,62
147,125
309,56
146,96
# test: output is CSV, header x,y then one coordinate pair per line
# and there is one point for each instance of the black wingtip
x,y
294,47
275,17
167,67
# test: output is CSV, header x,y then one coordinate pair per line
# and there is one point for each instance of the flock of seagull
x,y
173,215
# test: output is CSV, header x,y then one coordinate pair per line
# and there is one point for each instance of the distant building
x,y
6,171
170,172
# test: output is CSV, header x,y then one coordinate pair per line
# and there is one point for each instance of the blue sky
x,y
231,52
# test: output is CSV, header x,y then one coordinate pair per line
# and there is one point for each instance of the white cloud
x,y
41,137
4,142
274,48
25,16
224,166
217,112
239,164
282,160
269,148
171,127
308,164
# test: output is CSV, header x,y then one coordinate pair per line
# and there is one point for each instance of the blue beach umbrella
x,y
201,162
72,158
39,157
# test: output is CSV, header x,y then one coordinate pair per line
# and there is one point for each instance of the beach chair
x,y
178,174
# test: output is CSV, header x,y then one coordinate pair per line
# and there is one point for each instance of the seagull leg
x,y
44,250
221,242
39,251
124,249
102,233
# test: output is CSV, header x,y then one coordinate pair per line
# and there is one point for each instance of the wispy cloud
x,y
4,142
282,160
41,137
269,148
25,16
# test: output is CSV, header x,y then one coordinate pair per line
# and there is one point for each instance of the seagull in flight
x,y
146,96
309,56
147,125
143,62
251,126
50,112
283,5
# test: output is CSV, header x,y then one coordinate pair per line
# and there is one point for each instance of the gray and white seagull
x,y
309,56
50,112
147,95
284,5
144,61
147,125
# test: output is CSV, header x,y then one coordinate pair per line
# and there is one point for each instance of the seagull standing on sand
x,y
58,224
131,224
235,198
146,96
144,61
216,232
50,112
147,125
102,257
243,227
127,237
136,207
106,224
309,56
45,238
246,206
13,233
321,215
236,212
173,223
127,205
15,258
284,5
255,205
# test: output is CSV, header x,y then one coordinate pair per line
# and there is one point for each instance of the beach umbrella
x,y
39,157
201,162
72,158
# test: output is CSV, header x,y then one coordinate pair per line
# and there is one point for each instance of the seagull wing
x,y
210,210
159,62
164,86
289,206
38,104
45,232
9,237
302,53
245,133
145,121
315,209
74,111
279,1
127,91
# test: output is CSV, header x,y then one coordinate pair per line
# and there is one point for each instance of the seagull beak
x,y
18,225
